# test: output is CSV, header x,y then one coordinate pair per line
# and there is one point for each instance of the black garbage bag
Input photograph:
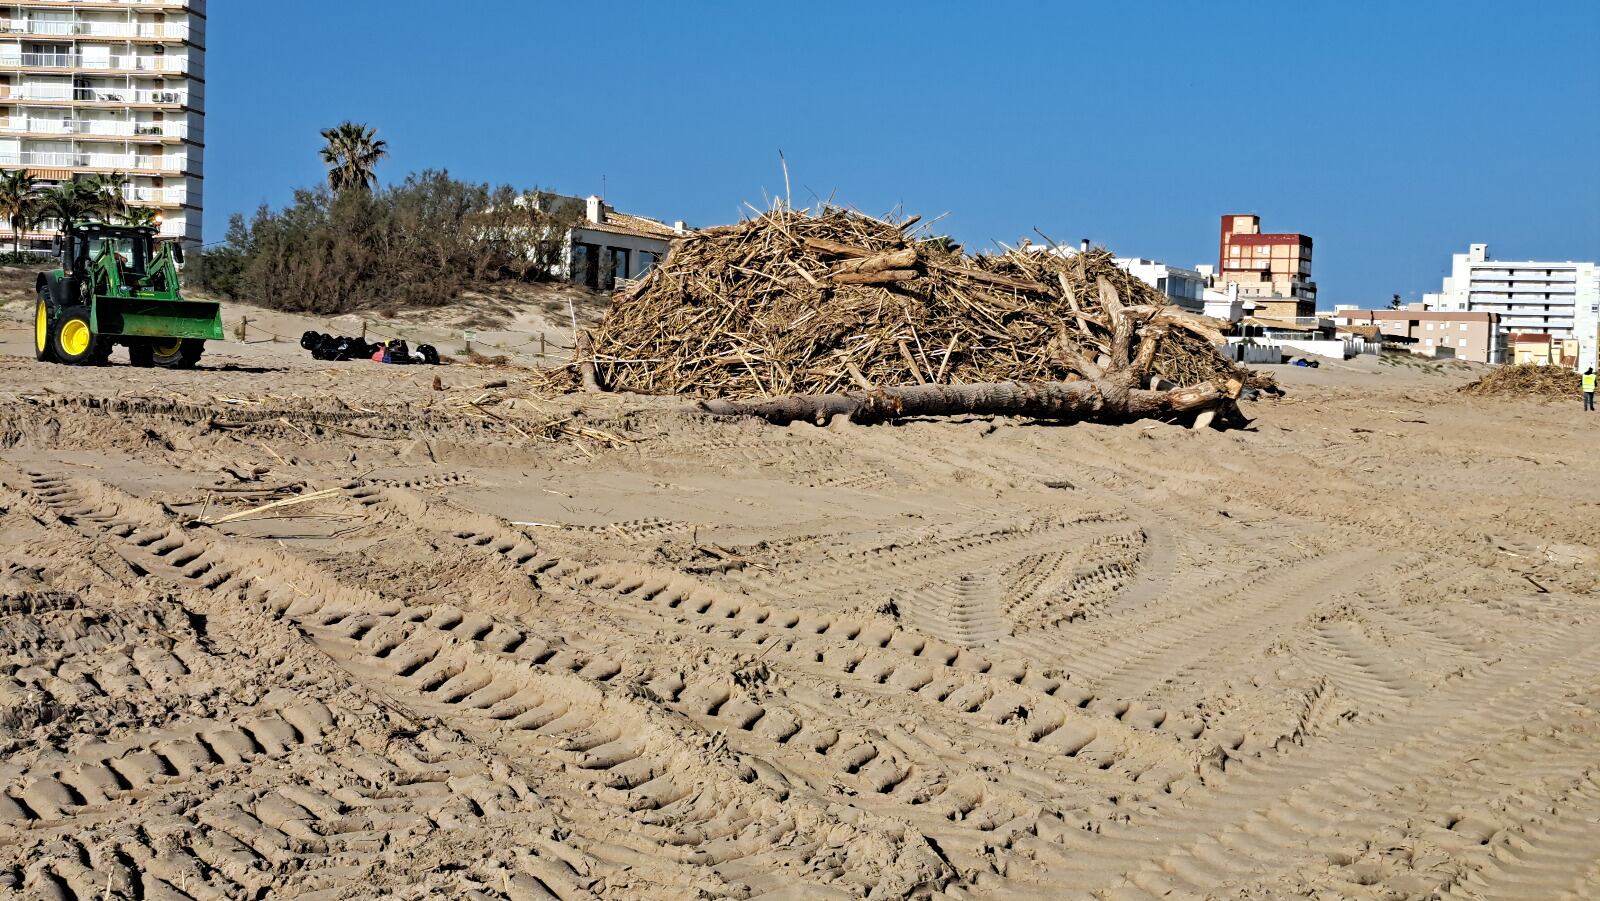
x,y
396,351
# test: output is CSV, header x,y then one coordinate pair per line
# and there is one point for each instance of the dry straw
x,y
1548,382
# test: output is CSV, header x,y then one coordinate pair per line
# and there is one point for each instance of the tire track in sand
x,y
240,795
1271,811
1061,719
703,809
1214,625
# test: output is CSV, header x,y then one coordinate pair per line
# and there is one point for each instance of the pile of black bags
x,y
343,347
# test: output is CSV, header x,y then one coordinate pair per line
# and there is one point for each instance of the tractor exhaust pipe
x,y
63,249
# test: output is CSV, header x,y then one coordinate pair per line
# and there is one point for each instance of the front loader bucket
x,y
138,317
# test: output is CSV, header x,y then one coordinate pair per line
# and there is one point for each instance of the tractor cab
x,y
125,257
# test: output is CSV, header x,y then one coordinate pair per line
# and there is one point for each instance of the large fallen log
x,y
1103,400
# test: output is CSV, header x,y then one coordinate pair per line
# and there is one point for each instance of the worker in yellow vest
x,y
1588,388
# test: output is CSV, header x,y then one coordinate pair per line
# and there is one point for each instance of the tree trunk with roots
x,y
1115,387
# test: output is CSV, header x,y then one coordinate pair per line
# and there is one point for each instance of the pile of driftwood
x,y
1545,382
839,312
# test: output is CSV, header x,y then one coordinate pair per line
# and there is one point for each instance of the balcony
x,y
129,161
53,159
194,6
155,64
131,95
172,196
95,128
61,93
171,31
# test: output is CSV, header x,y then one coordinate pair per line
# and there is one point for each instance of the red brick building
x,y
1273,270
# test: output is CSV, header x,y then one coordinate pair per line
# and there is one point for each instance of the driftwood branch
x,y
1015,284
1121,323
836,248
881,277
1071,356
894,259
1145,356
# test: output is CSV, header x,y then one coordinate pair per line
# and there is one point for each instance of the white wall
x,y
1336,350
1586,314
634,243
1171,279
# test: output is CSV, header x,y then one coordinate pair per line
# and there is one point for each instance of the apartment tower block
x,y
1273,271
1559,299
107,86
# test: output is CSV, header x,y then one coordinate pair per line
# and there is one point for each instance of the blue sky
x,y
1393,133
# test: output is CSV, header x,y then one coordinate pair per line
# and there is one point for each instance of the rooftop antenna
x,y
602,187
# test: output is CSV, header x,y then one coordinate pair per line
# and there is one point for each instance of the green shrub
x,y
417,244
26,259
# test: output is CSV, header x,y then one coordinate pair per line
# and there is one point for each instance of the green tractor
x,y
116,286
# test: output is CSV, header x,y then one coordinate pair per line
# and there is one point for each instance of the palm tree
x,y
141,216
66,203
19,202
352,152
105,194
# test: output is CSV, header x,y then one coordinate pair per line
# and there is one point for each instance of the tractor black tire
x,y
72,339
44,349
180,354
141,353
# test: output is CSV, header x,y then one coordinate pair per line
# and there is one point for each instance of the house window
x,y
1463,326
586,264
619,263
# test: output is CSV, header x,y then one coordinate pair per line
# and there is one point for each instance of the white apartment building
x,y
1559,299
101,86
1184,287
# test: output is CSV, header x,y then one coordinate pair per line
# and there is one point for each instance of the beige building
x,y
1477,337
1530,349
1286,309
102,86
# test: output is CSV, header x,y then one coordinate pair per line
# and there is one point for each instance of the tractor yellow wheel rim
x,y
169,349
41,327
75,337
